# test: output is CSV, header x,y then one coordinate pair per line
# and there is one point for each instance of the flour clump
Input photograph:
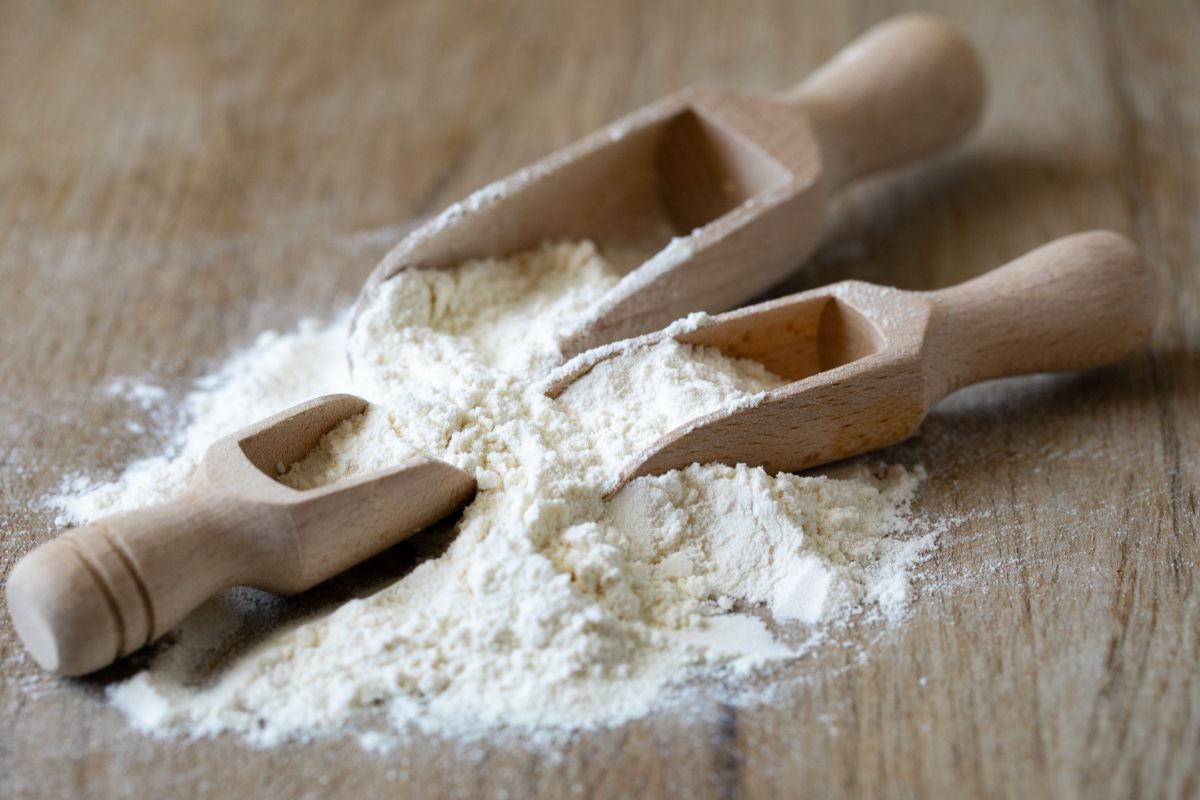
x,y
550,608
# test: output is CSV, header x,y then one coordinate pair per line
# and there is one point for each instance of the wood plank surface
x,y
177,176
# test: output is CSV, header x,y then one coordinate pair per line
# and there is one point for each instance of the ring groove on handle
x,y
96,572
139,582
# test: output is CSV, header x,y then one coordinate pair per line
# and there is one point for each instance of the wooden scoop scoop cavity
x,y
727,190
96,593
866,362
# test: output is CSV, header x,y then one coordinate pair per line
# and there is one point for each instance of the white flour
x,y
550,609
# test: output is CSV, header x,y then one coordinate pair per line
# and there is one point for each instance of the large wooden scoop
x,y
867,362
94,594
727,192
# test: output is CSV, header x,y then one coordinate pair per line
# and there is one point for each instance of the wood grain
x,y
176,177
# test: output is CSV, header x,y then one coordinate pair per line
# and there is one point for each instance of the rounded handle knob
x,y
906,88
102,591
64,605
1080,301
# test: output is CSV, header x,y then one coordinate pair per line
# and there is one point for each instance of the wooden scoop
x,y
868,362
96,593
741,181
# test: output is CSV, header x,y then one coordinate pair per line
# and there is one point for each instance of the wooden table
x,y
176,177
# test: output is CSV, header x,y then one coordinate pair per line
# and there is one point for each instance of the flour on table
x,y
276,372
550,609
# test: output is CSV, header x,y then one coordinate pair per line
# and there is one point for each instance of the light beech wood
x,y
867,362
177,177
102,591
728,190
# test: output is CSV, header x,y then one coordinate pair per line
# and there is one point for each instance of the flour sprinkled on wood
x,y
551,609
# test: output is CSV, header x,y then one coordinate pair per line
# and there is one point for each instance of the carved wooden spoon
x,y
868,362
741,181
96,593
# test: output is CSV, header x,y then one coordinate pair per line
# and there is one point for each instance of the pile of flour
x,y
550,609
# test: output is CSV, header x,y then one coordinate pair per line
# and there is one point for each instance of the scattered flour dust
x,y
551,609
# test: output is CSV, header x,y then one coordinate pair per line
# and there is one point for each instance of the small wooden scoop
x,y
741,181
867,362
84,599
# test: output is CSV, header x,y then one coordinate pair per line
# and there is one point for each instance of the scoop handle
x,y
1081,301
96,593
906,88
